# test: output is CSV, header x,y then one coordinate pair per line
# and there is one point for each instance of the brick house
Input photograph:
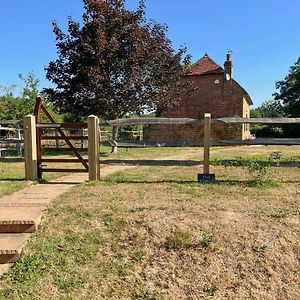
x,y
215,91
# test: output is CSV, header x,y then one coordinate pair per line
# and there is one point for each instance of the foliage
x,y
255,113
8,105
12,107
289,96
116,63
267,131
271,109
289,91
209,241
16,107
285,212
259,169
268,109
180,238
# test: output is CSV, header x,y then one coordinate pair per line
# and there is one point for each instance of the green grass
x,y
180,238
285,212
11,178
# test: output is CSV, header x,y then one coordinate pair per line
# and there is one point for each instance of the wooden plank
x,y
63,149
11,141
50,170
271,121
48,126
206,142
62,160
9,122
148,121
63,138
73,125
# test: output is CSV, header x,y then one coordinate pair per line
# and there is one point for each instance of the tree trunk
x,y
114,148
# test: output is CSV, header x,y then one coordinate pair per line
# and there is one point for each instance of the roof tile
x,y
205,65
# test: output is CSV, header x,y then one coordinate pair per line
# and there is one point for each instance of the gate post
x,y
206,176
30,153
206,141
93,148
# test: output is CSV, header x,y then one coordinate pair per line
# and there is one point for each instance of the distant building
x,y
216,92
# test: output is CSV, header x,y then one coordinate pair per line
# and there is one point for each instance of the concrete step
x,y
19,219
11,247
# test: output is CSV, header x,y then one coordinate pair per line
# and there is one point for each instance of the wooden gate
x,y
60,136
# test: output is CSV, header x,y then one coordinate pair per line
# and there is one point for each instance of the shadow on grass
x,y
242,183
58,181
148,162
183,182
188,163
12,179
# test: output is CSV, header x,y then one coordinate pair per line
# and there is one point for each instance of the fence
x,y
207,143
11,136
34,135
228,120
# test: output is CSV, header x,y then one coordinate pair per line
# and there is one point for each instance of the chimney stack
x,y
228,66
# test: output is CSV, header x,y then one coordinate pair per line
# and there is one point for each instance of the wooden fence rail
x,y
151,121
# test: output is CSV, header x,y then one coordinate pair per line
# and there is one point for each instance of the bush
x,y
267,131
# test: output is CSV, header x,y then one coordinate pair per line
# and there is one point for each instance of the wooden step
x,y
19,219
11,246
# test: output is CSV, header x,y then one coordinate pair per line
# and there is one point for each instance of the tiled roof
x,y
205,65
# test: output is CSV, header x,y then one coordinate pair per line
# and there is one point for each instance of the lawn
x,y
11,178
154,233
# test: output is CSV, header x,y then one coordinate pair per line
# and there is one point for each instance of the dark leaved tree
x,y
114,64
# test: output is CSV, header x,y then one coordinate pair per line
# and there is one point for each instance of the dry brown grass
x,y
154,233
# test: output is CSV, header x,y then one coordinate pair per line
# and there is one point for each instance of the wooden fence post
x,y
206,177
93,146
206,141
30,153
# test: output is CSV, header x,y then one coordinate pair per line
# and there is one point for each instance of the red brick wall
x,y
221,100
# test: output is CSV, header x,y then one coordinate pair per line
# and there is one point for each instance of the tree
x,y
16,107
289,95
116,63
255,113
271,109
7,103
289,91
268,109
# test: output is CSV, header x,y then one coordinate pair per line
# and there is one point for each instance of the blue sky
x,y
264,35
